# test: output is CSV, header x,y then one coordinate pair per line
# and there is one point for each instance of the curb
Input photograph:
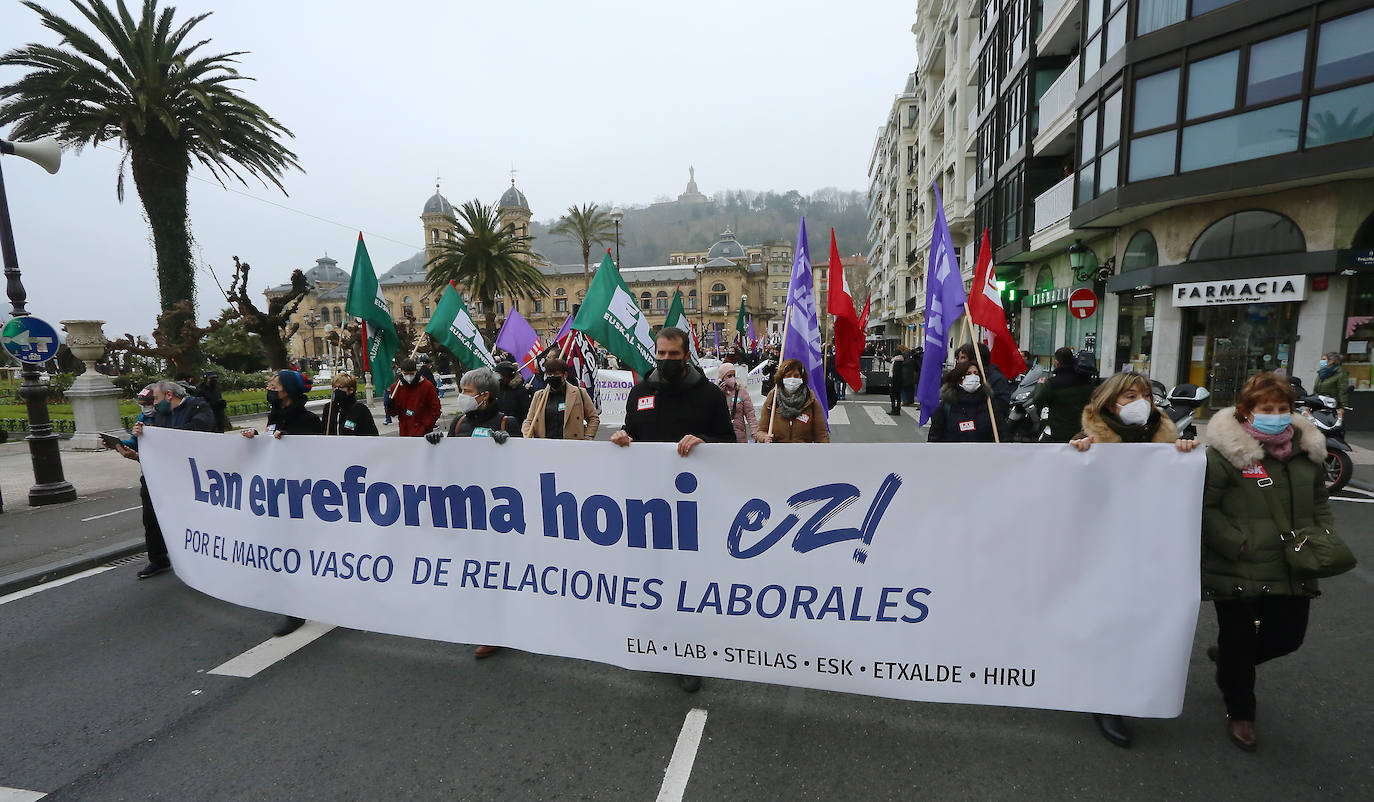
x,y
1361,485
24,580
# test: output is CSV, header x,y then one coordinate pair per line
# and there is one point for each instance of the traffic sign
x,y
1082,303
29,339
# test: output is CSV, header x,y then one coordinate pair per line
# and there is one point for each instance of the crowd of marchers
x,y
1264,475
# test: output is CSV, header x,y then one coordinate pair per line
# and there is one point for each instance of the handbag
x,y
1312,552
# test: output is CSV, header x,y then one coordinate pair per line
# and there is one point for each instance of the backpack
x,y
1085,363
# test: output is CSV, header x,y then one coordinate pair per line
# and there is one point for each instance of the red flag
x,y
849,336
985,309
863,319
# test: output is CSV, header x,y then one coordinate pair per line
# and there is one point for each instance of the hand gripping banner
x,y
911,571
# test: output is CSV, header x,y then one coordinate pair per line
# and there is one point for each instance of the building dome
x,y
727,248
326,271
513,199
438,204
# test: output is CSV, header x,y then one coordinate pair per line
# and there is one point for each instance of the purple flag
x,y
753,340
803,338
715,332
563,332
518,338
945,300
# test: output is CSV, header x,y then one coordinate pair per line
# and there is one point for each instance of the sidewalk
x,y
40,544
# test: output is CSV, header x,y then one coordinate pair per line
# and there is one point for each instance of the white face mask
x,y
1135,413
971,383
408,377
466,403
791,383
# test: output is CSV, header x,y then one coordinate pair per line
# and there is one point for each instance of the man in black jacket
x,y
676,403
1066,393
173,409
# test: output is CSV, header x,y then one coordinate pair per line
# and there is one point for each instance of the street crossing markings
x,y
880,416
1354,500
271,651
1349,489
27,592
19,795
914,413
838,416
107,515
684,755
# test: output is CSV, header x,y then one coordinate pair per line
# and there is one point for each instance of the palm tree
x,y
487,257
162,100
586,226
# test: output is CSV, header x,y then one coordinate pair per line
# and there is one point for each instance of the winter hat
x,y
292,383
724,367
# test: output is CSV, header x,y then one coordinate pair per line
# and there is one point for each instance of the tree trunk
x,y
160,173
270,336
489,318
587,266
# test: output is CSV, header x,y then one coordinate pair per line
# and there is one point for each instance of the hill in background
x,y
649,233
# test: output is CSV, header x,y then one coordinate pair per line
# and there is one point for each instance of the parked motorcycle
x,y
1025,423
1321,411
1183,403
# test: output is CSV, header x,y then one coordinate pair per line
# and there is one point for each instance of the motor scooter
x,y
1322,411
1024,420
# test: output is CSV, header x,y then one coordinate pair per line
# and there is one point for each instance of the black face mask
x,y
343,398
556,382
672,370
273,399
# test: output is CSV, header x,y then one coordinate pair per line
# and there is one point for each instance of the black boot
x,y
288,625
1113,729
689,683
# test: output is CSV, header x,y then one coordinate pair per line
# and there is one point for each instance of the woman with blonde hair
x,y
791,412
1122,410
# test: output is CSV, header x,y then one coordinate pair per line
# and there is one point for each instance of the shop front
x,y
1236,328
1135,330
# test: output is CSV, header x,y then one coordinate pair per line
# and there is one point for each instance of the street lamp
x,y
50,486
1085,265
312,320
328,351
616,216
700,269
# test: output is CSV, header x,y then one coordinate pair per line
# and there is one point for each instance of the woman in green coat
x,y
1264,480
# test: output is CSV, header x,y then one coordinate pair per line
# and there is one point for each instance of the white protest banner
x,y
910,571
613,387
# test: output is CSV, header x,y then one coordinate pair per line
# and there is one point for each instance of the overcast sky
x,y
591,102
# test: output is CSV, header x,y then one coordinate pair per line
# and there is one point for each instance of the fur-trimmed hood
x,y
1094,425
1229,438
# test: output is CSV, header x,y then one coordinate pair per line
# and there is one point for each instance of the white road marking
x,y
880,416
271,651
679,769
1349,489
27,592
914,413
838,416
108,514
19,795
1354,500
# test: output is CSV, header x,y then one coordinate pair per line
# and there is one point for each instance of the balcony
x,y
1057,113
1059,36
911,257
971,131
911,304
1054,204
971,188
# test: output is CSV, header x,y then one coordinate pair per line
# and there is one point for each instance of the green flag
x,y
610,316
677,316
453,327
741,325
365,301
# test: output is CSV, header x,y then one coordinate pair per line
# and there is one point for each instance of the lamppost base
x,y
51,493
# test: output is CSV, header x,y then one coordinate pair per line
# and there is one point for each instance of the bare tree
x,y
274,326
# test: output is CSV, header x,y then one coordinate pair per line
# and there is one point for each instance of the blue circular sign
x,y
29,339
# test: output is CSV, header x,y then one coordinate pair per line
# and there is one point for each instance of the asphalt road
x,y
106,694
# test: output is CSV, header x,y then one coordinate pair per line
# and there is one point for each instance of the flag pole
x,y
978,355
367,369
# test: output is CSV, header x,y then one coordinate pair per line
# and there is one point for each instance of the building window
x,y
1141,252
424,307
1212,85
500,307
1275,69
646,301
1248,234
1251,135
407,308
1156,14
1345,50
560,304
538,306
718,295
692,299
661,301
1341,116
560,291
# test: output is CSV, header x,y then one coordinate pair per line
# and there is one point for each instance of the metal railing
x,y
1054,204
1059,97
971,188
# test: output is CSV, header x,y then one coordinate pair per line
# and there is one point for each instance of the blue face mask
x,y
1272,424
162,407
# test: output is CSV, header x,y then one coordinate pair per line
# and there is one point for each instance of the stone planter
x,y
95,399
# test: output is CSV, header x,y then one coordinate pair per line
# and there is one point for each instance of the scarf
x,y
790,405
1327,372
1279,446
1140,433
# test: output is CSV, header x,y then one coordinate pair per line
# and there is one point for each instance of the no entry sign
x,y
1082,303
